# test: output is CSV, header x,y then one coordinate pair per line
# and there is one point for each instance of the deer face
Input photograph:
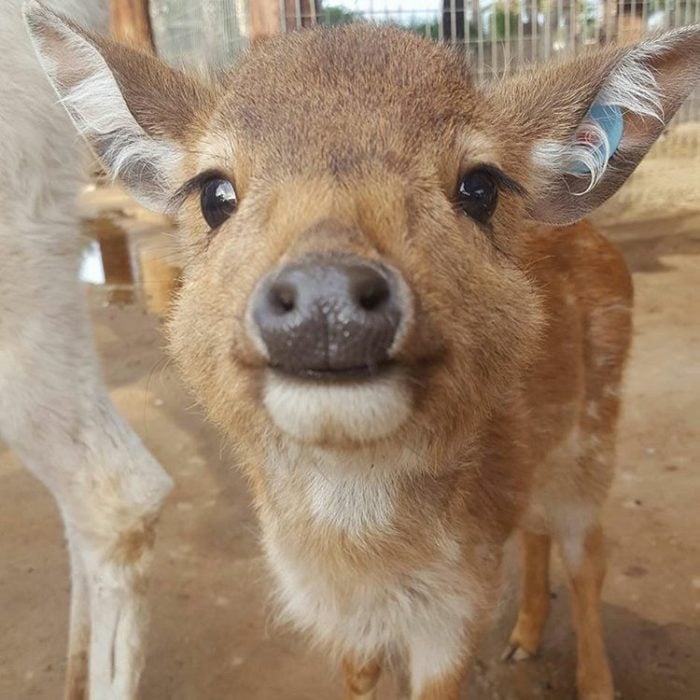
x,y
353,208
360,274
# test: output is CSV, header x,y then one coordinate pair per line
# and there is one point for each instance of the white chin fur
x,y
331,413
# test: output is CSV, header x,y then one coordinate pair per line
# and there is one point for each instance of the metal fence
x,y
501,36
200,34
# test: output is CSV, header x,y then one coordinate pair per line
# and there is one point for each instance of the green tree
x,y
501,18
334,14
426,29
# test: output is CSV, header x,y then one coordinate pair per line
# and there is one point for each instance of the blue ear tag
x,y
610,119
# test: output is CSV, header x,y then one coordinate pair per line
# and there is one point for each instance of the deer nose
x,y
328,318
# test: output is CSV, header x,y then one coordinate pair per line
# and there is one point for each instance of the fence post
x,y
130,22
264,18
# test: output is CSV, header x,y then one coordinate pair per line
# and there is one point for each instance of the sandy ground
x,y
211,636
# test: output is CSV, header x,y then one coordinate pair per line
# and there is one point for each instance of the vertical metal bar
x,y
533,31
494,44
469,44
467,25
506,37
480,39
693,113
521,37
608,12
453,20
547,11
561,19
573,24
283,16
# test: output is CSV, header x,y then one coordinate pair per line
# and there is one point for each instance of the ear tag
x,y
609,118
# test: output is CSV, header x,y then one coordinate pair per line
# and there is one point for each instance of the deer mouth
x,y
356,373
352,405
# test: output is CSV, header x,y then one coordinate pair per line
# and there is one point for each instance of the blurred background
x,y
499,37
211,638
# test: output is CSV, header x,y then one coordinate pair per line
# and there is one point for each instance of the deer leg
x,y
442,686
109,490
117,570
111,511
534,597
361,679
79,626
585,565
438,661
54,410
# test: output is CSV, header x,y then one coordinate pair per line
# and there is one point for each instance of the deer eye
x,y
218,201
478,195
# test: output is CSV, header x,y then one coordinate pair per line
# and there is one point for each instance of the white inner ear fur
x,y
148,166
633,88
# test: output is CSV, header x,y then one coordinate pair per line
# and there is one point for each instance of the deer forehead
x,y
344,98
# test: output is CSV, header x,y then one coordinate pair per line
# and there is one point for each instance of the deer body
x,y
387,312
394,551
55,412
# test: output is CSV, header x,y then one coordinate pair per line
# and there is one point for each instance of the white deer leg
x,y
111,513
110,493
54,411
439,655
56,415
79,629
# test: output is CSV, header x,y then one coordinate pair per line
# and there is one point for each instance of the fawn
x,y
390,310
55,412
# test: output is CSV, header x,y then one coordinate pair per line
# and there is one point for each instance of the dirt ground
x,y
211,636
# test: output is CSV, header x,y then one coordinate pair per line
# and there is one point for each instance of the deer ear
x,y
134,111
588,123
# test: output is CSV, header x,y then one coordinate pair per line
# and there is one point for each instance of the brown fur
x,y
77,677
383,169
534,607
132,545
446,688
353,141
360,681
594,680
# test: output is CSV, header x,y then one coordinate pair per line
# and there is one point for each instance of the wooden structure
x,y
265,16
130,22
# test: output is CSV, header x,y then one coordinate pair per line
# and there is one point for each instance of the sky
x,y
399,10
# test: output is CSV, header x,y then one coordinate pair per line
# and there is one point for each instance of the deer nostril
x,y
282,297
369,288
